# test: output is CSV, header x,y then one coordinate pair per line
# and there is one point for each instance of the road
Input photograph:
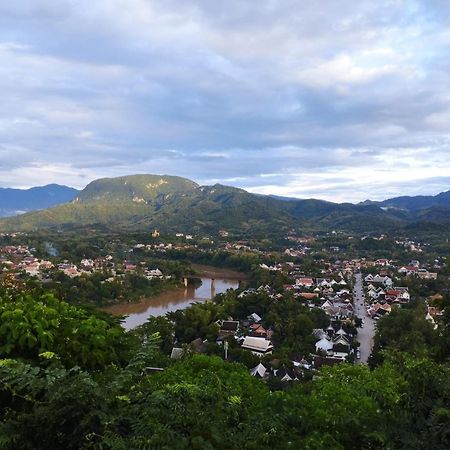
x,y
367,332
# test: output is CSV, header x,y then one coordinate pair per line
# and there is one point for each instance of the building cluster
x,y
20,258
382,295
334,345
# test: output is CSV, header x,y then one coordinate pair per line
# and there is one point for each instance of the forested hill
x,y
178,204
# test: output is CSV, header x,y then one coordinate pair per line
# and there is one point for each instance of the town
x,y
301,304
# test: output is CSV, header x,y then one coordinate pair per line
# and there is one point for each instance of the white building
x,y
258,346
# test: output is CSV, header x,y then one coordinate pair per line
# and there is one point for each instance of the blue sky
x,y
339,99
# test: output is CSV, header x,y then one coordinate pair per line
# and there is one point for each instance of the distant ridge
x,y
415,203
142,202
14,201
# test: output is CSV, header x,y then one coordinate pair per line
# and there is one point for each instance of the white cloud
x,y
330,94
345,70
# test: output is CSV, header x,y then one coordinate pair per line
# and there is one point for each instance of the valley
x,y
255,303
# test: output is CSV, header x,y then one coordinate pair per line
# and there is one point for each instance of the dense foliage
x,y
31,326
74,379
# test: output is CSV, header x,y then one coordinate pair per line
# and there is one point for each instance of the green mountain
x,y
140,189
140,202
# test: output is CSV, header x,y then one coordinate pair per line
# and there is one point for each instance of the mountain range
x,y
17,201
140,202
414,203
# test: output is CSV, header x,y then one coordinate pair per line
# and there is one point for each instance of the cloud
x,y
342,70
337,100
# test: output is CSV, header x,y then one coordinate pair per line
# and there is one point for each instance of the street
x,y
367,332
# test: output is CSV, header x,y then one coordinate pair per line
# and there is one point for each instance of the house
x,y
257,345
72,272
304,281
129,267
254,318
397,295
308,295
301,364
259,371
46,265
378,279
434,312
325,283
341,345
369,278
87,264
378,310
375,293
324,345
228,327
341,332
32,269
153,273
319,333
425,275
257,330
247,292
284,374
408,270
382,262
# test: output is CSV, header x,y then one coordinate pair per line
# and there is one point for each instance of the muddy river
x,y
137,313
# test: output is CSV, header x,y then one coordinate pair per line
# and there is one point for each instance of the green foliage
x,y
405,330
101,289
48,408
30,326
196,321
193,404
161,325
204,402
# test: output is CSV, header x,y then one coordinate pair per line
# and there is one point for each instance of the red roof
x,y
308,295
257,328
393,292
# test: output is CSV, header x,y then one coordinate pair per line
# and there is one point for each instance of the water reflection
x,y
158,306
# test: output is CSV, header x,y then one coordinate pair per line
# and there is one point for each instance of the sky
x,y
341,100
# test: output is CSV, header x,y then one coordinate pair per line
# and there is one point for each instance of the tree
x,y
30,325
161,325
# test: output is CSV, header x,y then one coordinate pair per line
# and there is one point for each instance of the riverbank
x,y
159,305
218,272
141,304
202,271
